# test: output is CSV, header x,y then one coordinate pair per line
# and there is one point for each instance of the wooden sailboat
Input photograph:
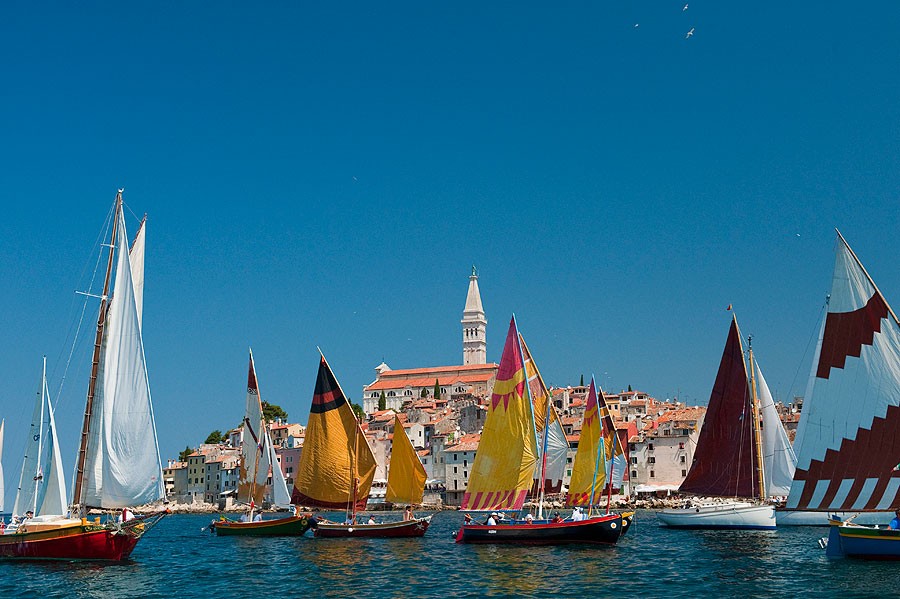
x,y
599,465
505,465
337,466
847,439
118,463
728,462
257,457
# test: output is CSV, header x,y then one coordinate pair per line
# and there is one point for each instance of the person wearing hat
x,y
468,519
556,518
492,519
895,523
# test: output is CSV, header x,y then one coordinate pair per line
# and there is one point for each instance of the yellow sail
x,y
337,465
504,464
589,469
406,478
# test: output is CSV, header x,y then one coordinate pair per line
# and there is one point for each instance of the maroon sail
x,y
725,461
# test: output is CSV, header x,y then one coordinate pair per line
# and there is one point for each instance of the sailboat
x,y
337,466
847,440
118,463
599,464
728,462
505,463
257,457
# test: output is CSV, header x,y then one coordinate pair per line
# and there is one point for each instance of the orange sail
x,y
589,469
504,465
337,465
406,478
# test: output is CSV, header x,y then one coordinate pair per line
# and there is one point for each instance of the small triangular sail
x,y
848,439
406,477
334,450
503,470
778,455
725,459
588,470
255,446
557,445
122,465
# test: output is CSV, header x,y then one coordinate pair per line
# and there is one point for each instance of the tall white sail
x,y
779,460
256,451
30,477
122,465
280,495
136,254
847,456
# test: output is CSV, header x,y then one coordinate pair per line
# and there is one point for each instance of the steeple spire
x,y
474,324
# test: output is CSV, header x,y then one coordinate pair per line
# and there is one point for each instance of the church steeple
x,y
474,325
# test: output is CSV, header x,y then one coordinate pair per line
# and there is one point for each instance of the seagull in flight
x,y
636,25
685,8
689,33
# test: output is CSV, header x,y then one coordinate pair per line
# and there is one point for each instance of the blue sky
x,y
327,175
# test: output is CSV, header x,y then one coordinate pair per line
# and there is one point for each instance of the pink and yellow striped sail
x,y
504,464
588,471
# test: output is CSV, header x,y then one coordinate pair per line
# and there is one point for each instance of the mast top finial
x,y
474,271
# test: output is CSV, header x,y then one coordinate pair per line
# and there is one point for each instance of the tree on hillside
x,y
437,389
581,384
358,410
424,392
272,412
214,437
629,388
382,401
183,456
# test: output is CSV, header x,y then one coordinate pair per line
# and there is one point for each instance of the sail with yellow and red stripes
x,y
589,469
504,465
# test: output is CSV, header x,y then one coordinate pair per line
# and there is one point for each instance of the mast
x,y
95,361
529,401
756,432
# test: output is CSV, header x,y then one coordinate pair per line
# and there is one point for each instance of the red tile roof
x,y
390,383
466,443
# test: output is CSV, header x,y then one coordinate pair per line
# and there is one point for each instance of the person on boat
x,y
258,517
492,519
556,518
245,518
126,515
529,519
895,523
468,519
408,514
577,516
371,520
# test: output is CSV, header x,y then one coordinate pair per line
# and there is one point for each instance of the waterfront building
x,y
175,476
289,460
458,460
660,453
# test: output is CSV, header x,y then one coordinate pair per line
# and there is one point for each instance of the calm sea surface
x,y
176,559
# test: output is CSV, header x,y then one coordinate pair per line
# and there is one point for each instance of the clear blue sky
x,y
328,175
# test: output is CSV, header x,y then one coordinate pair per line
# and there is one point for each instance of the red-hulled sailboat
x,y
506,463
337,466
118,463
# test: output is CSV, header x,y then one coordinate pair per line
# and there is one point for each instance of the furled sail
x,y
335,451
589,468
122,465
557,444
725,460
42,488
778,455
406,477
503,470
847,440
255,446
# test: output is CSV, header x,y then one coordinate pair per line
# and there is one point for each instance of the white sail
x,y
136,254
846,455
778,456
30,475
280,495
52,497
122,465
256,452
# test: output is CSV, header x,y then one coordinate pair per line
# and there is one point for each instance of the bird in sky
x,y
637,25
689,33
685,8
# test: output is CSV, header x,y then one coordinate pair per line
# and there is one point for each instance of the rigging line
x,y
813,335
104,231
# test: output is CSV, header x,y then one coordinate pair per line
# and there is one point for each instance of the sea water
x,y
177,559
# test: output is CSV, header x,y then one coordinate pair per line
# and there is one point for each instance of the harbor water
x,y
177,559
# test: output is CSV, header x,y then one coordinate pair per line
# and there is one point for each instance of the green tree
x,y
358,410
272,412
183,456
382,401
437,389
424,392
629,388
581,384
214,437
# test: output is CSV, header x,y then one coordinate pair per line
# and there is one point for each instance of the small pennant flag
x,y
728,309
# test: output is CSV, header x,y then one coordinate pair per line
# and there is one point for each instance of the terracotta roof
x,y
437,369
466,443
423,452
571,438
683,415
387,383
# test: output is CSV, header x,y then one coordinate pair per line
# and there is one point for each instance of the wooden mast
x,y
95,362
756,431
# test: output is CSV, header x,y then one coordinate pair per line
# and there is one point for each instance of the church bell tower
x,y
474,325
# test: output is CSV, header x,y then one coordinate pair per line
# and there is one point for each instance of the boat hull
x,y
281,527
76,541
799,518
604,529
865,542
627,521
729,515
386,530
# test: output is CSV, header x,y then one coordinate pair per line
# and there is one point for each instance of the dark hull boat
x,y
605,529
846,539
386,530
281,527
